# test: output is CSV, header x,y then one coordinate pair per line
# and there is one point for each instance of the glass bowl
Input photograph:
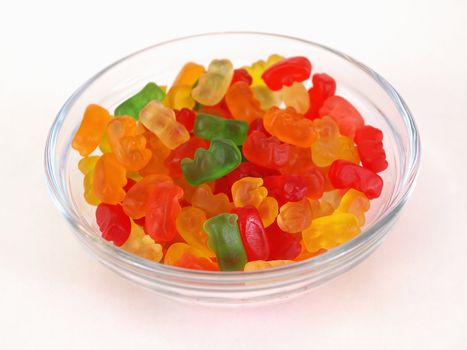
x,y
373,96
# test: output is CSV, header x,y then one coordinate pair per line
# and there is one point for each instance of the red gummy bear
x,y
344,175
162,210
266,151
344,113
287,72
257,125
283,245
186,117
114,224
369,141
241,75
252,232
286,188
324,86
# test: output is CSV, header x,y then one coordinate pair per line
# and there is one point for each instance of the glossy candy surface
x,y
234,169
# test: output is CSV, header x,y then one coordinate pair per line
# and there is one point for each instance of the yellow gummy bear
x,y
258,67
329,231
143,245
86,166
267,98
296,96
213,84
161,121
212,204
248,191
331,146
262,264
190,226
356,203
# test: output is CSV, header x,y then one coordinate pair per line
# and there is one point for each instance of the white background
x,y
410,294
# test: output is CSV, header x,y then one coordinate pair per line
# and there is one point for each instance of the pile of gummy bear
x,y
231,169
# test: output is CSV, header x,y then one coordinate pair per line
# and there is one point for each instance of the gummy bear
x,y
356,203
225,240
290,127
283,245
137,198
241,75
266,151
86,166
331,146
213,84
143,245
323,87
242,103
189,224
369,142
286,188
212,204
162,210
344,113
268,210
344,175
186,117
209,127
91,130
329,231
248,191
159,154
295,216
266,97
128,146
109,179
286,72
114,224
296,96
252,233
221,158
161,121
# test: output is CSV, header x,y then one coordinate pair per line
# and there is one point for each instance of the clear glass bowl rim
x,y
111,251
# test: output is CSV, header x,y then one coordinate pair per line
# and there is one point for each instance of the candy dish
x,y
375,98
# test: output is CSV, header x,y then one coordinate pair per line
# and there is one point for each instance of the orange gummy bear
x,y
91,130
289,126
109,179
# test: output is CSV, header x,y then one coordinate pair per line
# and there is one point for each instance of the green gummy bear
x,y
221,158
209,127
225,240
135,103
